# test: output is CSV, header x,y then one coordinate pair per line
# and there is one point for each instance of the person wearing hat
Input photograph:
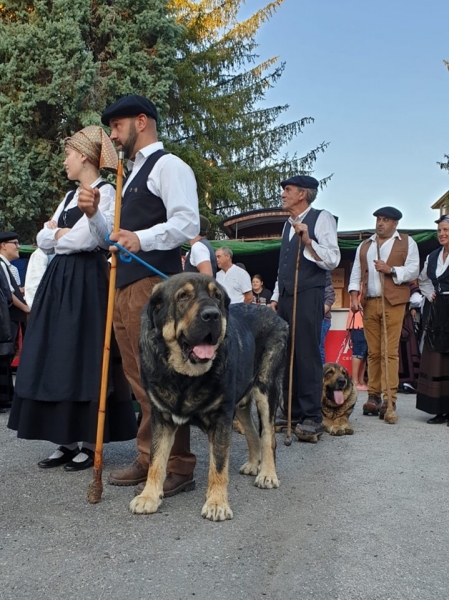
x,y
59,374
201,258
433,383
312,233
18,310
394,257
159,214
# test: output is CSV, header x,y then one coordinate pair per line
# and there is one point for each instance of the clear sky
x,y
371,74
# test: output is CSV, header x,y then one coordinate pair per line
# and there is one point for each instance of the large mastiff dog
x,y
203,360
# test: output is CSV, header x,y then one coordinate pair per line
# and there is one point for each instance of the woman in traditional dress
x,y
433,383
58,379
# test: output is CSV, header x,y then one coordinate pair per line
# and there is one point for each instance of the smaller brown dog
x,y
338,399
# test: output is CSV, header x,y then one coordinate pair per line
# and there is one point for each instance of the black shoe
x,y
49,463
81,466
438,420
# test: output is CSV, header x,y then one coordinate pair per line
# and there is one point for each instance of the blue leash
x,y
127,256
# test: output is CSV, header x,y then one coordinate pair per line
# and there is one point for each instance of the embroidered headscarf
x,y
94,143
442,219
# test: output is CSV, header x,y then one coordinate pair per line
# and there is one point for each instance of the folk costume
x,y
16,320
433,383
160,205
400,252
308,368
58,379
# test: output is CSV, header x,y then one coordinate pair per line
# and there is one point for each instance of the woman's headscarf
x,y
94,143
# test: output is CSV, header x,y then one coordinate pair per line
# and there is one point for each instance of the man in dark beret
x,y
384,265
159,214
310,236
18,310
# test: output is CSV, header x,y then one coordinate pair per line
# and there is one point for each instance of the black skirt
x,y
59,374
433,383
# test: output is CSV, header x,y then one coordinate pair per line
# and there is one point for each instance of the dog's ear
x,y
224,295
151,313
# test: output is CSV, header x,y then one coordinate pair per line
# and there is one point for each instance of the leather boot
x,y
384,408
372,405
173,484
132,475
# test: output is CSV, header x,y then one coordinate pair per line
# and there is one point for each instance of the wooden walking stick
x,y
390,415
96,487
288,436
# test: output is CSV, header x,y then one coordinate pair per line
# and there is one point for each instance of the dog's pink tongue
x,y
338,397
204,351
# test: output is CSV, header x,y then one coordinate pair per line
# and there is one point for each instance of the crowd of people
x,y
57,385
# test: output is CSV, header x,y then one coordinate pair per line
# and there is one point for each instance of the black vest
x,y
15,313
441,283
142,209
70,217
189,268
309,274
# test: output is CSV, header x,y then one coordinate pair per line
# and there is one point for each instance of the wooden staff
x,y
96,487
288,437
390,416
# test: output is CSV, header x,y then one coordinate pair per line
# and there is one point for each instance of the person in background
x,y
354,325
18,312
329,299
6,344
311,234
384,265
261,294
58,380
201,258
234,279
37,265
433,383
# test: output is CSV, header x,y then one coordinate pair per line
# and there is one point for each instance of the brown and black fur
x,y
335,417
249,347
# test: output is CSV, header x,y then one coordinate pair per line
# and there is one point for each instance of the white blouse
x,y
425,284
79,238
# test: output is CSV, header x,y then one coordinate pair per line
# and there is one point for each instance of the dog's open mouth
x,y
336,396
198,353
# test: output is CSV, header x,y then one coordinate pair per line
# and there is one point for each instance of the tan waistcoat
x,y
395,294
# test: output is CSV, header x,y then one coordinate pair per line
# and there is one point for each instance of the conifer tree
x,y
61,63
218,121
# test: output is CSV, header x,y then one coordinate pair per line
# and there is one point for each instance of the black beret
x,y
8,236
129,106
204,225
302,181
389,212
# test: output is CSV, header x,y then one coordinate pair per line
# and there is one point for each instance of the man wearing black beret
x,y
18,310
313,234
159,214
394,257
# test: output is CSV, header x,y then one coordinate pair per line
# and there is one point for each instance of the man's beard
x,y
128,146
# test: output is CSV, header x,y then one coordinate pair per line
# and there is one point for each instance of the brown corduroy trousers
x,y
129,303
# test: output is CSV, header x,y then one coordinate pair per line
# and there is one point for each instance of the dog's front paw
x,y
349,430
249,468
216,512
144,505
267,481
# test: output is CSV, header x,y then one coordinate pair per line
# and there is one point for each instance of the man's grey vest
x,y
309,274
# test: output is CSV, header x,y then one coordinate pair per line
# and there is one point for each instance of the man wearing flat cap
x,y
309,236
159,214
18,310
384,265
201,258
